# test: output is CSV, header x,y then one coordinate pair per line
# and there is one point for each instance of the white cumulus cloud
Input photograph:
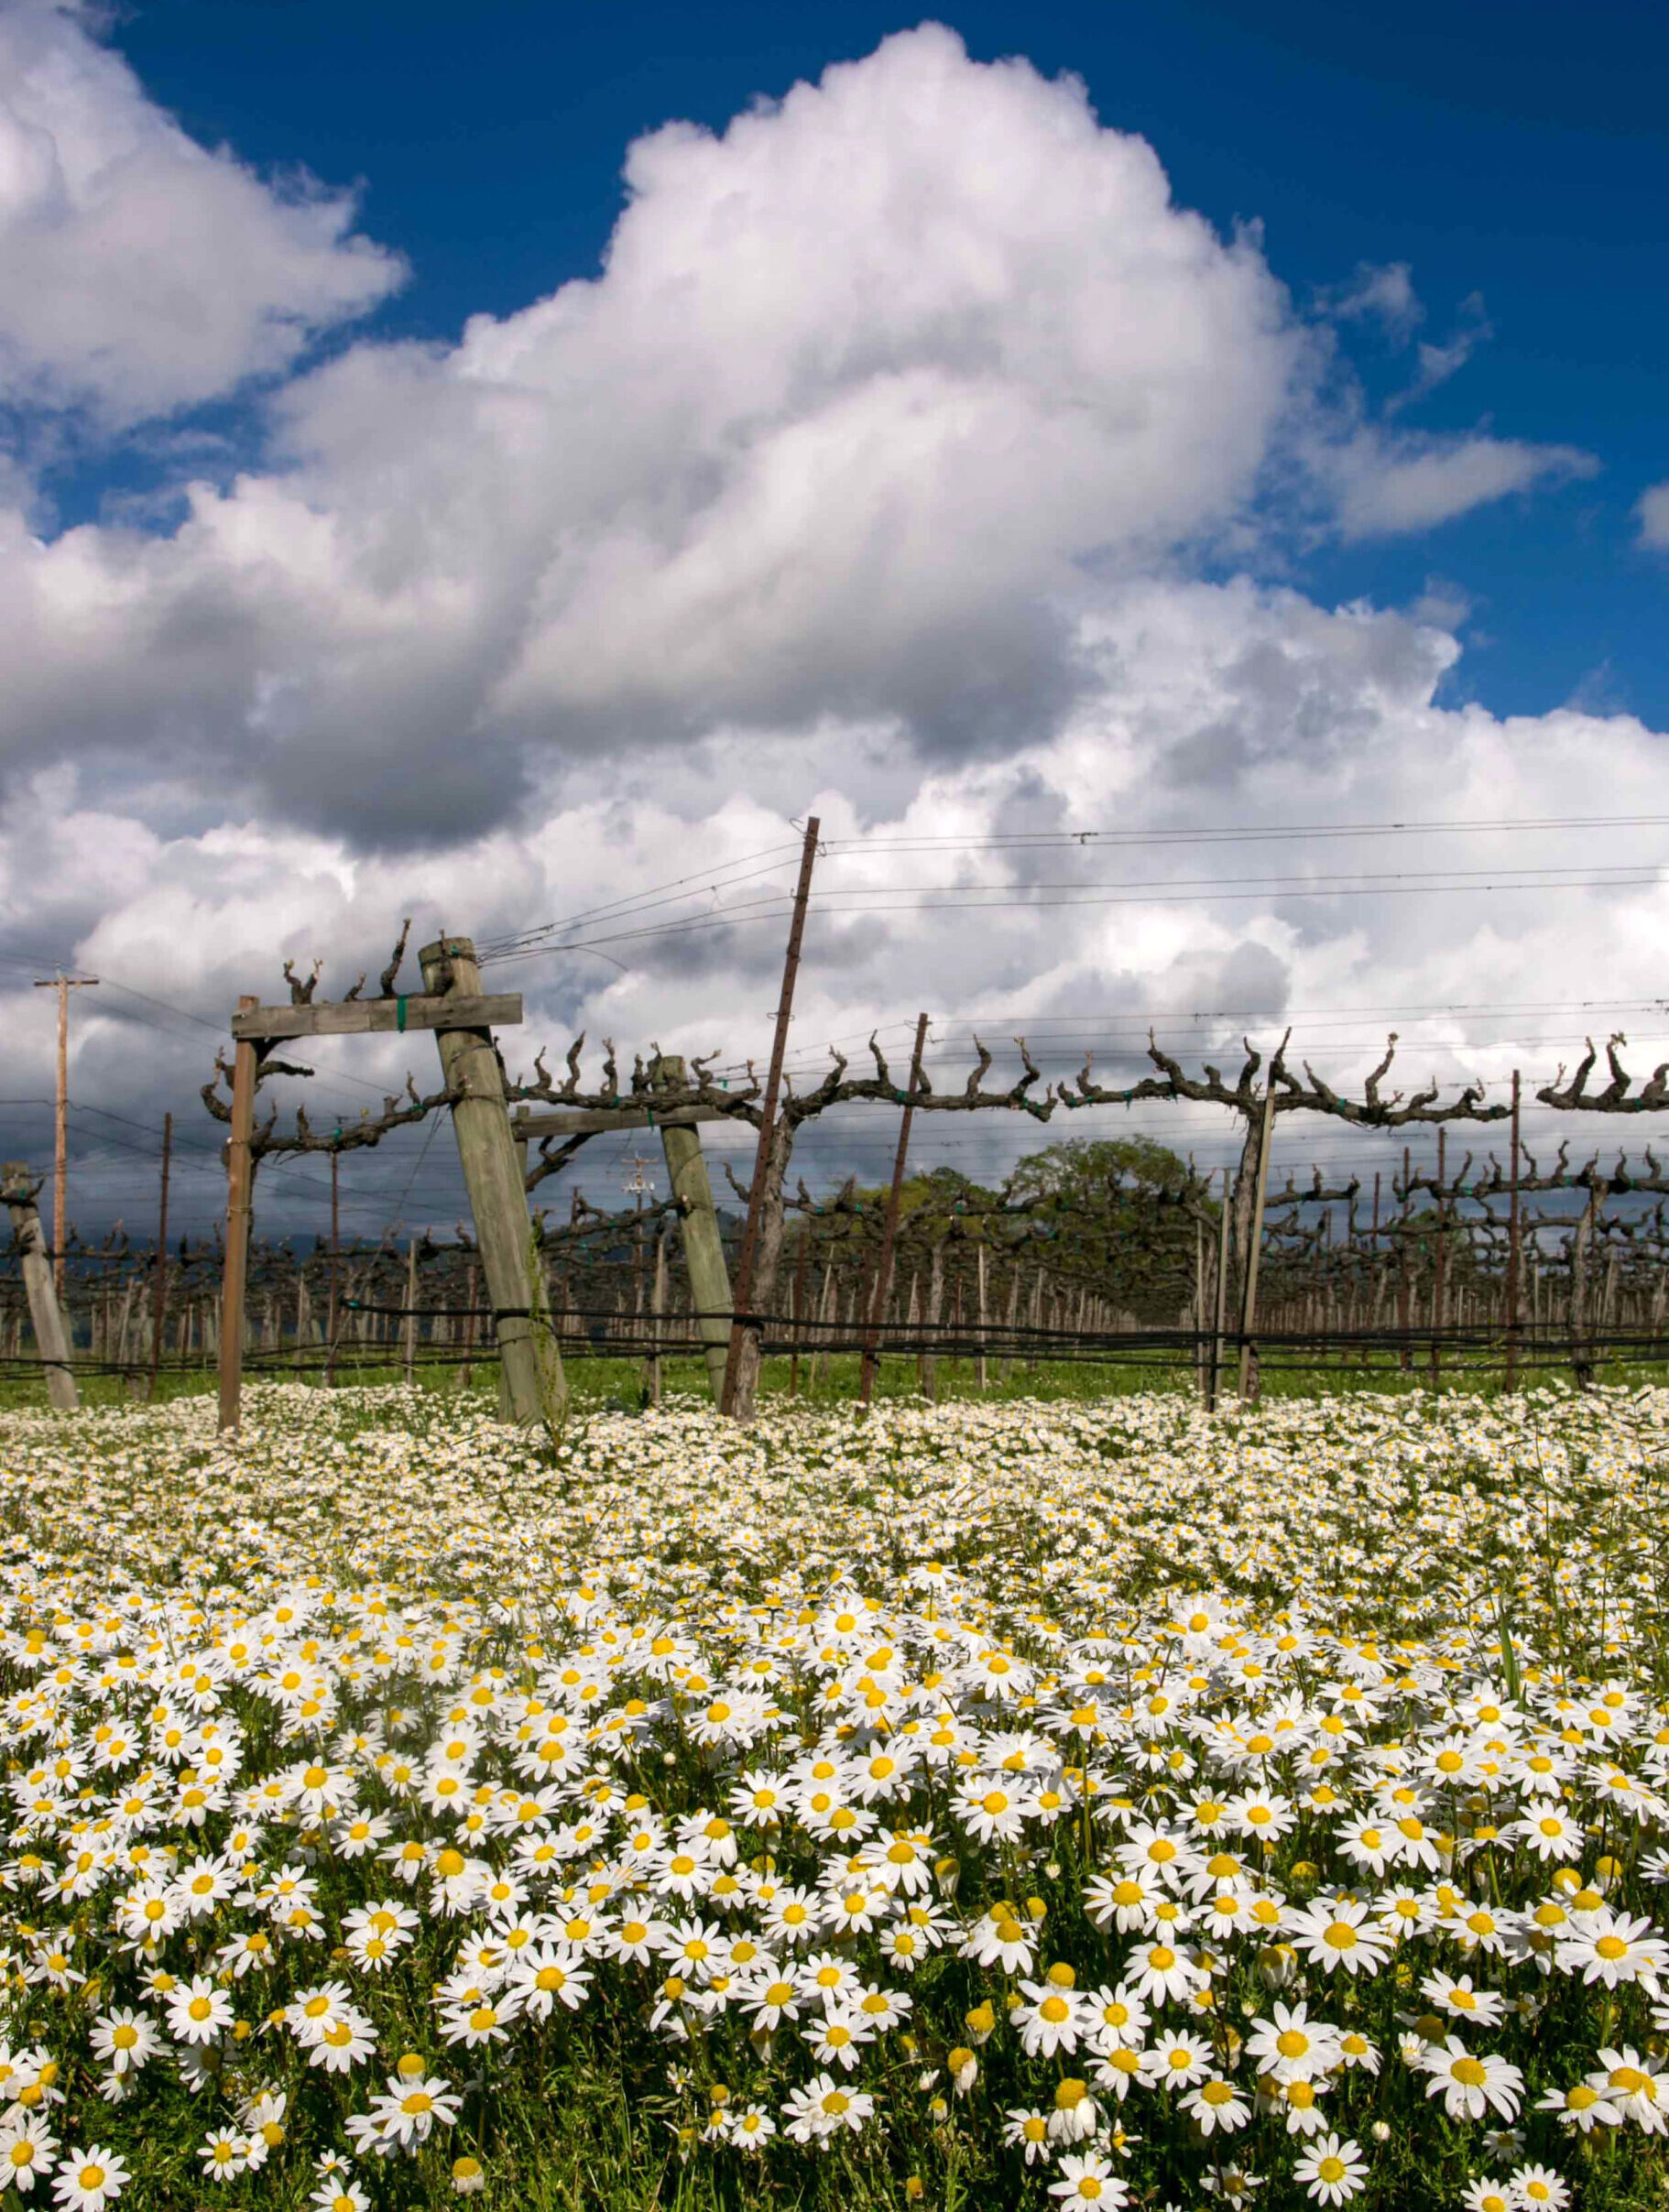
x,y
877,390
1653,514
874,474
1387,485
140,271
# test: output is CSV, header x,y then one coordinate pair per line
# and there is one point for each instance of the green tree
x,y
1087,1171
1103,1213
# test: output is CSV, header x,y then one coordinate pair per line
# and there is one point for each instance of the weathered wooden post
x,y
159,1289
658,1305
703,1242
409,1318
1220,1304
1406,1355
890,1226
532,1385
18,1189
1582,1345
798,1309
1248,1311
240,1177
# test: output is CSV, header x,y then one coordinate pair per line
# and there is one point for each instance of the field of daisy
x,y
1036,1804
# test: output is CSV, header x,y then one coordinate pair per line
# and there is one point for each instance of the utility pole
x,y
63,985
738,1388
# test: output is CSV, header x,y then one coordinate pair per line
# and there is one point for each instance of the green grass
x,y
594,1382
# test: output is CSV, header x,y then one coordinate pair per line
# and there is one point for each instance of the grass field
x,y
1050,1799
596,1383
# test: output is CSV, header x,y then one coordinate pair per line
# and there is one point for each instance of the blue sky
x,y
400,516
1519,153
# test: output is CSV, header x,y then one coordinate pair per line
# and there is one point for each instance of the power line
x,y
773,910
911,841
498,948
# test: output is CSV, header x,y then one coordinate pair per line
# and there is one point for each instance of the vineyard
x,y
1125,1273
1104,1252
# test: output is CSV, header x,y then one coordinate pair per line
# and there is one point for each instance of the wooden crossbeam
x,y
598,1121
359,1016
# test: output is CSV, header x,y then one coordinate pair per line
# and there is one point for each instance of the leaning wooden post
x,y
18,1189
1248,1312
890,1226
531,1386
704,1241
742,1359
234,1266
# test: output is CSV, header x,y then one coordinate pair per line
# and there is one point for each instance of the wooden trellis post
x,y
1219,1306
890,1225
464,1020
692,1189
703,1242
240,1179
19,1188
409,1318
531,1386
1249,1310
